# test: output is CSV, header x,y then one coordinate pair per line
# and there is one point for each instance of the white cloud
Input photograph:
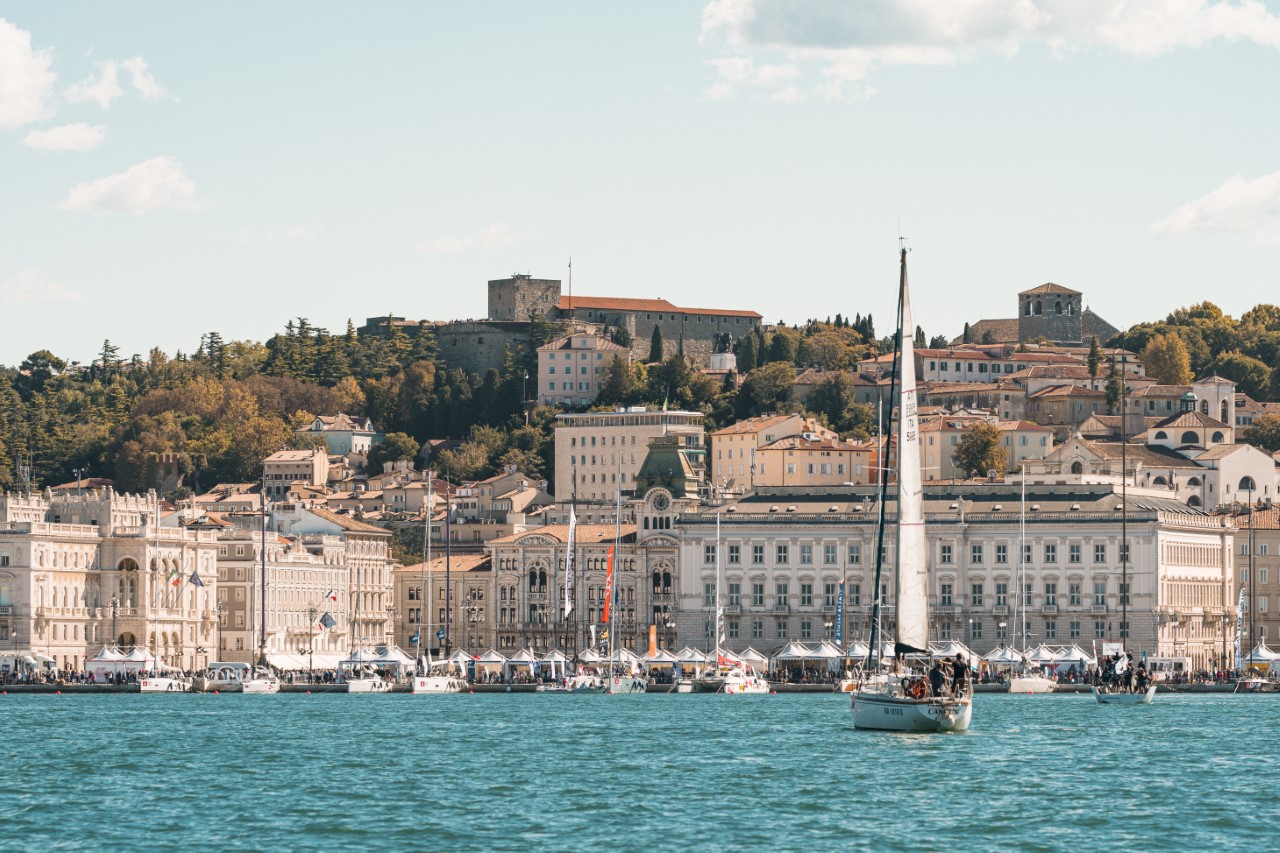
x,y
151,185
26,78
66,137
282,235
103,86
848,41
30,286
1247,207
498,234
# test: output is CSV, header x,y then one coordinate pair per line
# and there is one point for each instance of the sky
x,y
188,168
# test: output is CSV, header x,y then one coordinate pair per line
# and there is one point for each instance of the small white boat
x,y
627,684
1252,684
1031,683
732,680
263,681
439,684
684,686
164,684
222,677
368,684
905,706
1106,697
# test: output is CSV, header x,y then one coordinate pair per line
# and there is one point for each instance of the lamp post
x,y
524,397
115,608
307,650
391,628
475,614
79,473
828,624
222,619
1003,634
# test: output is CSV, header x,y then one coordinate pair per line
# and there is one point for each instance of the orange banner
x,y
608,588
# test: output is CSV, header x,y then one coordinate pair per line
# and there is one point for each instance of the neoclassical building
x,y
83,571
785,552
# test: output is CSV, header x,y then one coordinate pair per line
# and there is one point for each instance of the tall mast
x,y
262,592
719,620
1253,634
1022,561
569,556
1124,504
425,598
886,437
609,585
448,572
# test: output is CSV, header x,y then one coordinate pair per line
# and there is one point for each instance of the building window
x,y
1026,554
829,594
1074,593
1099,630
1002,594
1074,630
855,554
1124,630
1073,553
806,629
782,592
1051,630
806,555
855,594
709,554
735,594
781,554
1099,553
1050,552
1099,593
975,629
1051,594
709,594
757,629
829,555
975,553
757,555
782,629
757,594
946,594
732,627
1124,594
1002,631
944,554
806,595
975,595
944,631
1002,554
735,554
1124,553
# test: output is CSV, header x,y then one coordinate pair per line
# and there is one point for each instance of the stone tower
x,y
520,297
1050,311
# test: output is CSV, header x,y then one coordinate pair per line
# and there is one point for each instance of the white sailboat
x,y
1117,694
903,702
1023,679
162,678
431,678
731,676
619,678
262,680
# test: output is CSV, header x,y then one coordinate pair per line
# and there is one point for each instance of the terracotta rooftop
x,y
1049,287
585,534
346,522
608,303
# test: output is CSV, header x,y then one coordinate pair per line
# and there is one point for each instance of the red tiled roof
x,y
609,303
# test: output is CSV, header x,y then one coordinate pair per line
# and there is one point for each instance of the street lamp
x,y
828,624
524,397
115,608
307,650
1003,636
222,619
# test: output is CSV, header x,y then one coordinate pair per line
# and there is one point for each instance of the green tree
x,y
620,385
1250,375
835,399
981,449
784,345
967,336
1115,390
394,447
1264,433
988,337
1166,358
655,345
747,361
1095,357
766,389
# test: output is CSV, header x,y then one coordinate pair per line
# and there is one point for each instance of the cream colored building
x,y
786,551
1258,575
603,451
811,460
941,437
572,370
290,468
79,572
468,578
733,449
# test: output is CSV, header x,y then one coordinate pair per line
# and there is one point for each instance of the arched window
x,y
1193,500
1247,484
1194,481
1028,308
1226,413
1057,307
1039,307
1190,437
1217,437
1161,435
1077,467
1204,407
1159,481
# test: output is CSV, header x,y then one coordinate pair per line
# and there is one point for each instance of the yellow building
x,y
733,449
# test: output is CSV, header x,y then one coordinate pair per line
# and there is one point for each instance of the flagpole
x,y
426,585
262,642
448,573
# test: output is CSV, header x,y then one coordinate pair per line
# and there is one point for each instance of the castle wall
x,y
520,297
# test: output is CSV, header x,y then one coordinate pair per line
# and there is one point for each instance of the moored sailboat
x,y
904,702
1024,679
731,675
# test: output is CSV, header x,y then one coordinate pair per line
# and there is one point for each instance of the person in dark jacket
x,y
936,678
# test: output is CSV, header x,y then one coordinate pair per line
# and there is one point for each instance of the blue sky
x,y
185,169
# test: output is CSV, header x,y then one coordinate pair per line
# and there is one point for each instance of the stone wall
x,y
476,345
1055,317
518,298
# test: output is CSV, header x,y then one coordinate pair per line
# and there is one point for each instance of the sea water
x,y
558,772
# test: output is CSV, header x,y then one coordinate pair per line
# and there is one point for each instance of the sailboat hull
x,y
881,712
1143,698
626,684
163,684
438,684
1031,684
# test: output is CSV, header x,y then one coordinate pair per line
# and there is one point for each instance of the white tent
x,y
661,658
394,656
794,651
691,655
754,658
1005,656
859,650
1074,655
1044,654
556,660
106,655
827,650
1260,654
952,648
360,656
590,656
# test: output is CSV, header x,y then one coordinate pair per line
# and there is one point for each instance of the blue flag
x,y
327,621
195,580
840,617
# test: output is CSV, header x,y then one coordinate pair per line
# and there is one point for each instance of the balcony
x,y
947,609
6,610
1098,608
782,608
1049,608
733,609
1000,610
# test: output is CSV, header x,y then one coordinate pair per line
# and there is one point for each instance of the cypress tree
x,y
655,345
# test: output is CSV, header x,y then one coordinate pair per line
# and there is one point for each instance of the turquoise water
x,y
518,772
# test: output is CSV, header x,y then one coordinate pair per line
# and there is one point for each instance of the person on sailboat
x,y
936,678
959,672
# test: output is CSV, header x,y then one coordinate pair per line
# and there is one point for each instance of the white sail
x,y
913,554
